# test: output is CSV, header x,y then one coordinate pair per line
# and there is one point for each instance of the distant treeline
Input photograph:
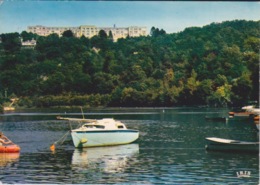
x,y
216,65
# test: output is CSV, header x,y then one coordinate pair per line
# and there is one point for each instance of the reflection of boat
x,y
216,118
110,158
9,148
104,132
7,158
220,144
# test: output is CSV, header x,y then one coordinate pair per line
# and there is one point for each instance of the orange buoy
x,y
52,148
9,149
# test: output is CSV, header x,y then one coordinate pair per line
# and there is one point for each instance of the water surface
x,y
170,149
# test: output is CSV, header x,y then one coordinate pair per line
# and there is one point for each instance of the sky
x,y
172,16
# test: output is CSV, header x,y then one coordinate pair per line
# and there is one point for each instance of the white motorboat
x,y
104,132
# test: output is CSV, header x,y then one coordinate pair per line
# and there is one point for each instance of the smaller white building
x,y
29,43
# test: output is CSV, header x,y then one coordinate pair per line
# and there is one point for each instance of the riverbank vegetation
x,y
216,65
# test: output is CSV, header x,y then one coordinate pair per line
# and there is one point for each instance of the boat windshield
x,y
100,126
94,126
120,126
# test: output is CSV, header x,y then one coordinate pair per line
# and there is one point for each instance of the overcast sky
x,y
16,15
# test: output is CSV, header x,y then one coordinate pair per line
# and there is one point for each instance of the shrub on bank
x,y
66,100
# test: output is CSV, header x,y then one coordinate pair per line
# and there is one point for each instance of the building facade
x,y
29,43
90,31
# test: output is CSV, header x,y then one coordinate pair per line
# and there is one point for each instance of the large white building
x,y
90,31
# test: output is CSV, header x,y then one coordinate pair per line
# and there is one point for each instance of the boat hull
x,y
8,108
83,139
241,115
220,144
9,149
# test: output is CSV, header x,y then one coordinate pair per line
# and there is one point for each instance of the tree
x,y
28,36
110,35
215,64
231,59
104,83
131,97
11,42
205,89
188,94
168,78
54,85
137,73
222,95
68,33
241,88
155,32
102,34
192,83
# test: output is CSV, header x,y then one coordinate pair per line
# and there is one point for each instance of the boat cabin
x,y
103,124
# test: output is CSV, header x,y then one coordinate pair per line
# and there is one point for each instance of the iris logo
x,y
243,174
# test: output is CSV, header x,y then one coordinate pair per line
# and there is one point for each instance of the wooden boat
x,y
9,148
246,112
104,132
10,107
220,144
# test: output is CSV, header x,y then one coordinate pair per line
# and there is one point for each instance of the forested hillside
x,y
216,65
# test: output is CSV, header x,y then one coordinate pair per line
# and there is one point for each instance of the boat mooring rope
x,y
62,139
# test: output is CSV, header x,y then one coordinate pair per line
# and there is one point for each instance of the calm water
x,y
170,149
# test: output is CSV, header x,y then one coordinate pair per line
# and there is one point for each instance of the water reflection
x,y
170,150
110,159
8,158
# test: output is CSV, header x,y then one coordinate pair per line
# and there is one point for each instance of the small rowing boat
x,y
9,149
220,144
245,112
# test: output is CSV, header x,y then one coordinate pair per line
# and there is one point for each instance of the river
x,y
170,149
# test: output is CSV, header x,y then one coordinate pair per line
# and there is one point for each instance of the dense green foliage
x,y
213,65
